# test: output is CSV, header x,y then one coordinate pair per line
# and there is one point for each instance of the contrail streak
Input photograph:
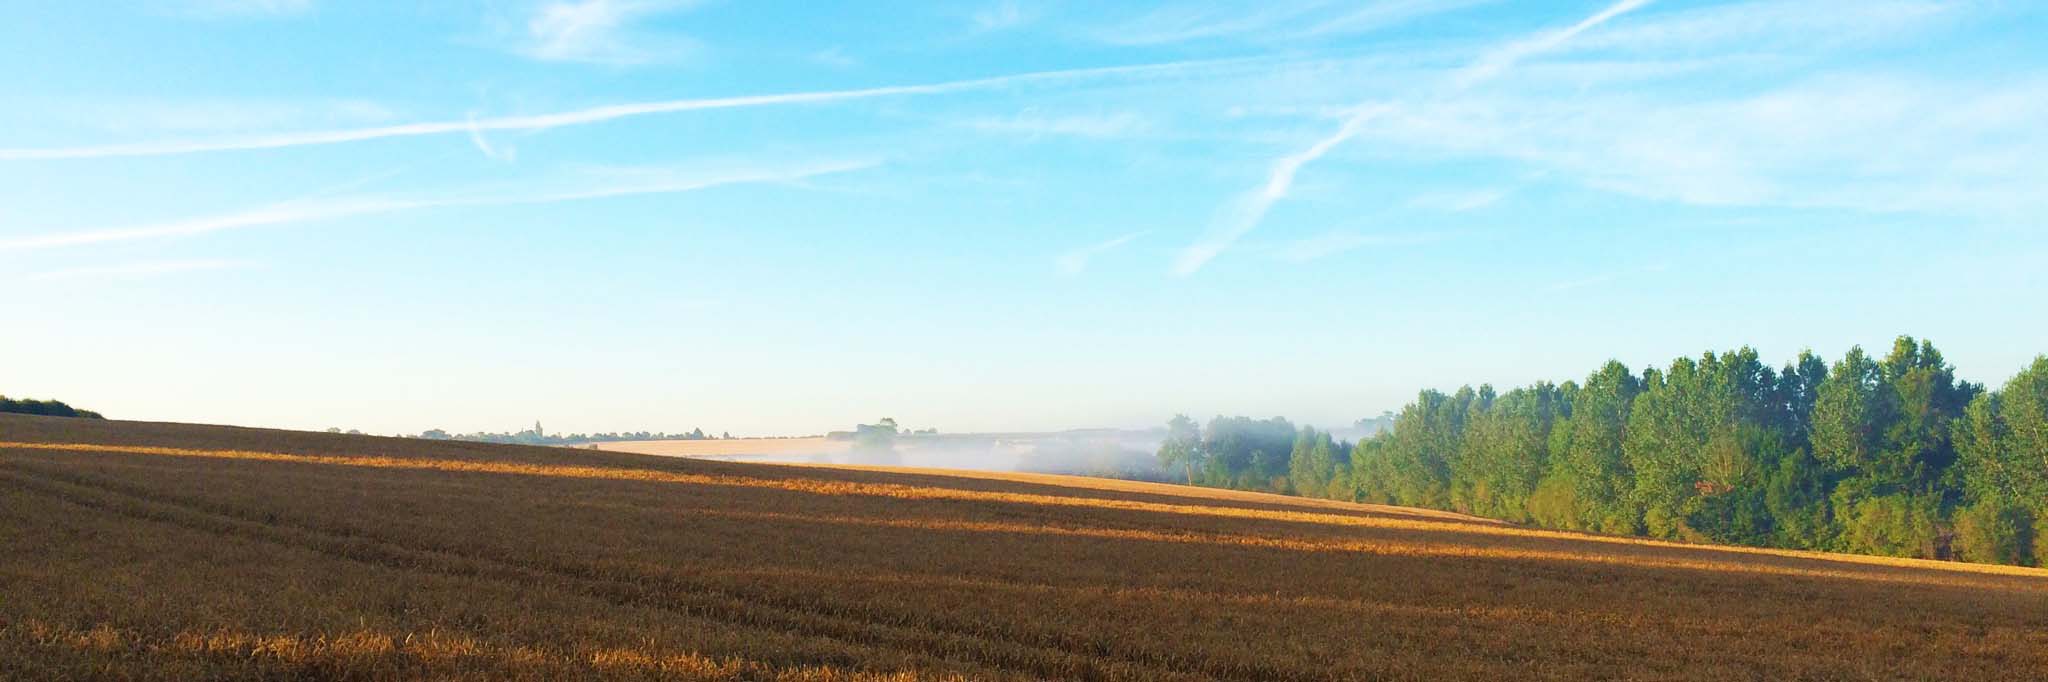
x,y
475,127
300,211
1246,212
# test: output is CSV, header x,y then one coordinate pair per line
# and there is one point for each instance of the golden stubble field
x,y
157,551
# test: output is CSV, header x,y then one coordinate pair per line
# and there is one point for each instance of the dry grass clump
x,y
152,551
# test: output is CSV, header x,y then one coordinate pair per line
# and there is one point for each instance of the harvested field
x,y
163,551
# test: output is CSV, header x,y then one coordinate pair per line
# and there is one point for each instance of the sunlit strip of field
x,y
179,552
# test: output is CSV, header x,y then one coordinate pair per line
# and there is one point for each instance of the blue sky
x,y
786,217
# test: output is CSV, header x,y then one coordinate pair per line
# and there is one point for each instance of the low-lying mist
x,y
1110,453
1127,454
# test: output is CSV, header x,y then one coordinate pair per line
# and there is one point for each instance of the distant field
x,y
728,447
158,551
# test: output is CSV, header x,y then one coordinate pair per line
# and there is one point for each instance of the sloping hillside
x,y
165,551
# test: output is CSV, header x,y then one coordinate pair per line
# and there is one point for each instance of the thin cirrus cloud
x,y
601,32
1002,15
1507,56
1076,261
1182,23
131,114
601,114
1956,146
1384,14
1270,21
1245,213
136,270
617,183
1033,123
1778,26
1337,242
249,8
1606,278
482,142
1459,201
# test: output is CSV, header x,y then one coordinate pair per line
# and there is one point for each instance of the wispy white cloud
x,y
1459,201
277,214
1752,26
1505,57
601,32
1241,216
835,57
1584,282
1383,14
603,114
1336,242
1706,106
1005,14
1244,214
1181,23
136,270
1270,21
1605,278
483,144
1881,143
242,8
1076,261
596,183
147,115
1034,123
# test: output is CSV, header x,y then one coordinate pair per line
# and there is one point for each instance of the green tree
x,y
46,408
1505,451
2001,444
1893,456
1589,480
1703,429
872,443
1798,389
1319,466
1848,412
1995,532
1796,497
1421,447
1885,431
1182,448
1245,453
1372,472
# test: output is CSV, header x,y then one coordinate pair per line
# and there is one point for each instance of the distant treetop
x,y
47,408
537,436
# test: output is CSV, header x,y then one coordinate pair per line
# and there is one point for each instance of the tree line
x,y
1890,456
47,408
540,436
